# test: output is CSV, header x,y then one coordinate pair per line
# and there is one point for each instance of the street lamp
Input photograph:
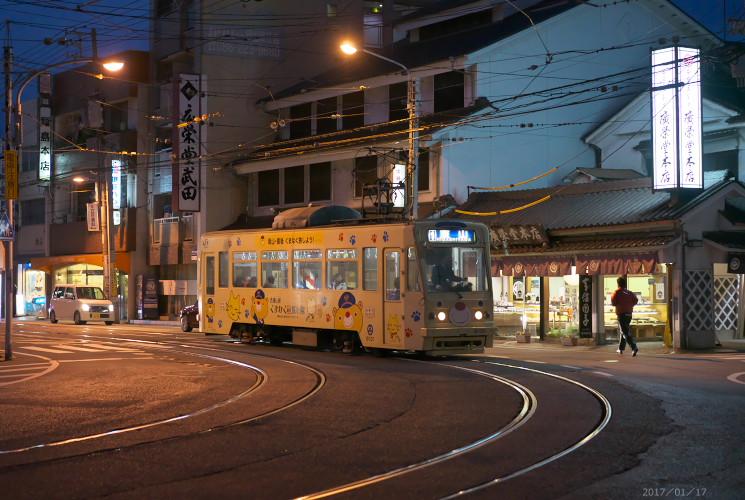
x,y
14,121
412,174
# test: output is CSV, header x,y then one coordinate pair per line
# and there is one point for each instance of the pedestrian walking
x,y
624,300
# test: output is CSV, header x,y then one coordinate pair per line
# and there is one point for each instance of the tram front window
x,y
454,269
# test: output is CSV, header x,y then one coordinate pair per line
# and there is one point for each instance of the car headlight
x,y
86,307
111,307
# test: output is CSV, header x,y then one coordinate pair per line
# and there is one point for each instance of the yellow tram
x,y
419,286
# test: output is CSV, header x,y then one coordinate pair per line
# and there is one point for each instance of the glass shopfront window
x,y
650,313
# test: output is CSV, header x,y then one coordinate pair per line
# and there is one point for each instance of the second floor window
x,y
294,185
32,212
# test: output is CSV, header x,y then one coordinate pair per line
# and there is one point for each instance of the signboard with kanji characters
x,y
676,118
45,127
11,174
584,314
187,143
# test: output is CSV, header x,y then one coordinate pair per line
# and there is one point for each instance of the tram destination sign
x,y
451,236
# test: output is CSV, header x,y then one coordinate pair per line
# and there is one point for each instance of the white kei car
x,y
80,303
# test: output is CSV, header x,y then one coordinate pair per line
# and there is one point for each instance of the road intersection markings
x,y
735,378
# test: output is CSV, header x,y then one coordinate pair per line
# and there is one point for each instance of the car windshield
x,y
90,292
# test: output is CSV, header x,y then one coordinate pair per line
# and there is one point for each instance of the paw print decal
x,y
323,301
328,318
248,313
370,329
374,238
341,236
238,241
416,315
408,332
219,324
352,239
385,236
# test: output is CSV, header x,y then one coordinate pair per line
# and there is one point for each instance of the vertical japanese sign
x,y
116,184
93,216
11,174
398,176
187,145
45,127
676,118
585,306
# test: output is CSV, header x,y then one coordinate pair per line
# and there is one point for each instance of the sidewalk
x,y
654,347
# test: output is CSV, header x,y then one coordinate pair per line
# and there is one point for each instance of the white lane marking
x,y
611,361
45,349
734,376
533,361
83,349
50,363
571,367
111,347
603,373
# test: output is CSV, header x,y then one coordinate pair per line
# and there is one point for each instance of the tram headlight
x,y
478,315
441,315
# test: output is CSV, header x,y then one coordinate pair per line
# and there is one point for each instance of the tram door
x,y
207,314
393,307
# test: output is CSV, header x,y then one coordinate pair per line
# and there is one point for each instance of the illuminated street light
x,y
412,174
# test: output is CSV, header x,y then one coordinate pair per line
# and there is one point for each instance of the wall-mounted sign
x,y
188,138
11,174
45,127
676,118
398,176
116,184
517,234
585,306
93,217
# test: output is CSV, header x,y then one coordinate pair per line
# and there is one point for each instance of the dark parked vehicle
x,y
189,317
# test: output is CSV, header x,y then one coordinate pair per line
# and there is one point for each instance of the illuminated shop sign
x,y
45,127
676,118
187,143
398,176
116,184
451,236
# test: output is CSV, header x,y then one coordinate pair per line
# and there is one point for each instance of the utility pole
x,y
413,173
9,152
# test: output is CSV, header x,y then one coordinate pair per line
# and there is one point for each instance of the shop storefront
x,y
555,264
86,269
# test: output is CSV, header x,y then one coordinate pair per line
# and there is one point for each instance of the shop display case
x,y
648,320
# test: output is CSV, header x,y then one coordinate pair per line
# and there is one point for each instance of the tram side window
x,y
412,270
245,269
392,275
308,273
209,275
274,269
224,271
341,271
370,268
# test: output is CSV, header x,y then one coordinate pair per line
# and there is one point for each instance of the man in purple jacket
x,y
624,300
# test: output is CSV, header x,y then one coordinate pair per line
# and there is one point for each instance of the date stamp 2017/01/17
x,y
673,492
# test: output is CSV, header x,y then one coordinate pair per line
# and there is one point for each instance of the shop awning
x,y
641,263
49,264
534,266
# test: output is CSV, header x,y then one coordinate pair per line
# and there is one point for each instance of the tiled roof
x,y
587,205
590,245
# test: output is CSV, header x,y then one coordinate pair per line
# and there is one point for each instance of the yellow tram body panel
x,y
288,278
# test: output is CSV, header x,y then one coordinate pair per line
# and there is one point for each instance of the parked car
x,y
189,317
80,303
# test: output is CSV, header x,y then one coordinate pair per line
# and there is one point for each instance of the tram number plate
x,y
95,315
